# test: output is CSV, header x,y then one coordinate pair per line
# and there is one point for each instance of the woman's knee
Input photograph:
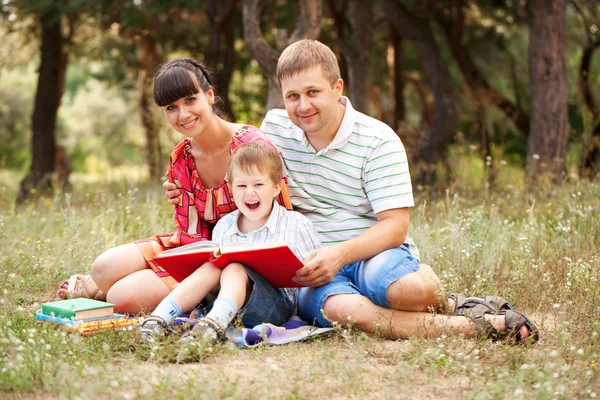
x,y
100,266
117,263
138,292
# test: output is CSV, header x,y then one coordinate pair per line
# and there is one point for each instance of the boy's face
x,y
253,194
311,103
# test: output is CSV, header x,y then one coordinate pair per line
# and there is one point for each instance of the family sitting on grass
x,y
345,173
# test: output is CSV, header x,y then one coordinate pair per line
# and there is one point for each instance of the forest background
x,y
496,102
510,83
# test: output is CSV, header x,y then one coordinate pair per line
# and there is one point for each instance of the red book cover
x,y
274,261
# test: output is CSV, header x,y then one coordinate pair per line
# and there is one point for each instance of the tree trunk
x,y
358,53
397,103
340,23
221,51
547,144
307,26
150,60
589,164
51,81
434,144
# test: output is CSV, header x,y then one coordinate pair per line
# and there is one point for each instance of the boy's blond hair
x,y
259,155
304,54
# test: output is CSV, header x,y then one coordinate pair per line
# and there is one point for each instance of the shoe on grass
x,y
205,329
152,329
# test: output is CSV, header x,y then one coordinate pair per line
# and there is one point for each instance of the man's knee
x,y
343,308
416,291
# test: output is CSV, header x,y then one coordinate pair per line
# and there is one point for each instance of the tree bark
x,y
434,144
589,164
340,24
307,26
547,144
150,60
358,52
50,87
221,51
398,107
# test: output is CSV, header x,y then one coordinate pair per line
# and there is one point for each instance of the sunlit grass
x,y
536,248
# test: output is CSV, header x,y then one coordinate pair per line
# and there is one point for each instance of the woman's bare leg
x,y
139,292
126,278
117,263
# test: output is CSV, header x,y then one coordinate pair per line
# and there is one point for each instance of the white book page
x,y
233,247
190,248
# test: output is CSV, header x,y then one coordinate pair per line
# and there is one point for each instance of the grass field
x,y
537,248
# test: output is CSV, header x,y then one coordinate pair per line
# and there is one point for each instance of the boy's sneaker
x,y
204,329
152,329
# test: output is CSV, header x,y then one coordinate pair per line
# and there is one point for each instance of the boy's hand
x,y
320,267
171,192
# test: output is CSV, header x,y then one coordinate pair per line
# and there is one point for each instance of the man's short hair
x,y
304,54
259,155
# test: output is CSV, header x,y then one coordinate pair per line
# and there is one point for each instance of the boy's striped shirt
x,y
363,171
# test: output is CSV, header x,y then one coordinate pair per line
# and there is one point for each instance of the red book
x,y
274,261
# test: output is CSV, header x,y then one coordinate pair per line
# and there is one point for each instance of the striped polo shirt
x,y
340,188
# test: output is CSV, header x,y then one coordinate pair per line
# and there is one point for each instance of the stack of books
x,y
86,316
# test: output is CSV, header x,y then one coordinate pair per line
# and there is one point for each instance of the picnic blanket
x,y
292,331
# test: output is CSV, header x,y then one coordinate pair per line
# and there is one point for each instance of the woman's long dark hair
x,y
181,77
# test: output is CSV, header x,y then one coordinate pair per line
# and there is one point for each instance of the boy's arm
x,y
323,264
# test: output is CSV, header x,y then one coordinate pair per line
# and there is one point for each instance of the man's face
x,y
312,103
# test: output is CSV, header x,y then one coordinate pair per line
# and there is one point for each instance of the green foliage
x,y
16,103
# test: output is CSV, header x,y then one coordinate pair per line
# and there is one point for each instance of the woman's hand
x,y
172,193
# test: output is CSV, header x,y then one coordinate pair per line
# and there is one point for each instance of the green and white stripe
x,y
363,171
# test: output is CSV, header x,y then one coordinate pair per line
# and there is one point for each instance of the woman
x,y
127,275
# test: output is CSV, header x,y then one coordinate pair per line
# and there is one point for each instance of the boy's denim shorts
x,y
370,278
267,304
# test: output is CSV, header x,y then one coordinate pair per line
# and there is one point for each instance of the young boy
x,y
254,174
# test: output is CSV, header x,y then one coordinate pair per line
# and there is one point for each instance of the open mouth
x,y
252,205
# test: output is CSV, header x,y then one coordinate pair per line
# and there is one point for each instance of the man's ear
x,y
339,87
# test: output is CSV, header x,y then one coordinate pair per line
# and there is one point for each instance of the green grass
x,y
538,248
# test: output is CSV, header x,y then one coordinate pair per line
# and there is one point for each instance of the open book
x,y
275,261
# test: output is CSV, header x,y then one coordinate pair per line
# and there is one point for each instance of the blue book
x,y
86,326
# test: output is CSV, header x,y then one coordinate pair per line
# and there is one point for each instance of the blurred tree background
x,y
488,85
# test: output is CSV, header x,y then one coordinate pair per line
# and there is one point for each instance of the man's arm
x,y
323,264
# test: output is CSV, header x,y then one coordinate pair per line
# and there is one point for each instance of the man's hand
x,y
171,192
320,267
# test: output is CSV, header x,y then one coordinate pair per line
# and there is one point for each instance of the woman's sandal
x,y
80,285
515,320
204,328
465,304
